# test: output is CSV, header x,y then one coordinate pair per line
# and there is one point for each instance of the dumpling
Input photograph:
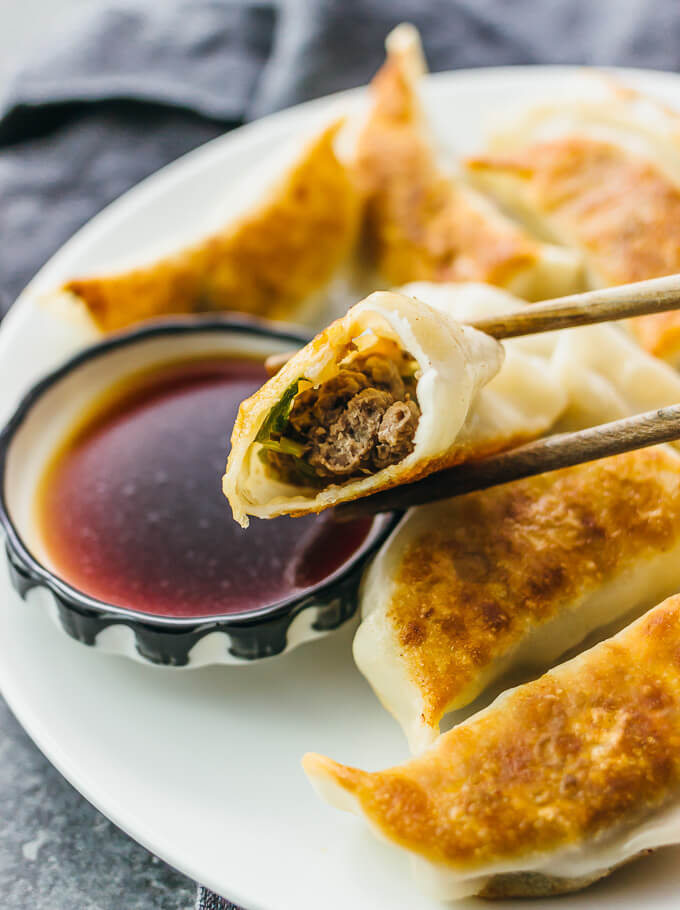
x,y
394,390
422,223
606,375
601,176
509,579
552,787
275,260
602,372
380,397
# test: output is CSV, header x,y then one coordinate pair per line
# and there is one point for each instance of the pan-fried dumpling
x,y
389,393
380,397
510,578
422,223
603,373
601,176
552,787
275,260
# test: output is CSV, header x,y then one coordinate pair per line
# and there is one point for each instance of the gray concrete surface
x,y
58,853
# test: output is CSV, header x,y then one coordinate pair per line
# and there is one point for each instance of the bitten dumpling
x,y
276,259
393,391
510,578
552,787
377,399
422,223
600,175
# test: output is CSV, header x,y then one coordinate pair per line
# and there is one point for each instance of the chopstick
x,y
641,298
561,450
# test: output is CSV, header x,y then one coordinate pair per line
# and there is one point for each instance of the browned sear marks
x,y
418,223
590,746
266,264
496,563
621,209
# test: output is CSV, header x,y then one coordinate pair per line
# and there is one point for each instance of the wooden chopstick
x,y
549,454
642,298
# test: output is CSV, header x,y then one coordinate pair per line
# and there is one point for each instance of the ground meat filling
x,y
346,448
360,421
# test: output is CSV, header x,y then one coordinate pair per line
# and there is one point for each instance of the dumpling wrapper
x,y
528,395
602,372
601,175
468,589
454,362
275,259
552,787
422,223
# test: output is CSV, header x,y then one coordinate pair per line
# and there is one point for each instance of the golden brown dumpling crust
x,y
499,562
593,744
620,209
418,224
265,264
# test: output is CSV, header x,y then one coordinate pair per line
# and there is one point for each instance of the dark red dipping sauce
x,y
132,511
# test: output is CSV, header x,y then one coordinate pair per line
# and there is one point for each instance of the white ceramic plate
x,y
203,766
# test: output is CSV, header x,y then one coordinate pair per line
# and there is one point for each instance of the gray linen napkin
x,y
123,93
126,90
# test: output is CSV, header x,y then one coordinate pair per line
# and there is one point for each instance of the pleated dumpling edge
x,y
552,787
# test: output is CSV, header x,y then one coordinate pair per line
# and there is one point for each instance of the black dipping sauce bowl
x,y
110,498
